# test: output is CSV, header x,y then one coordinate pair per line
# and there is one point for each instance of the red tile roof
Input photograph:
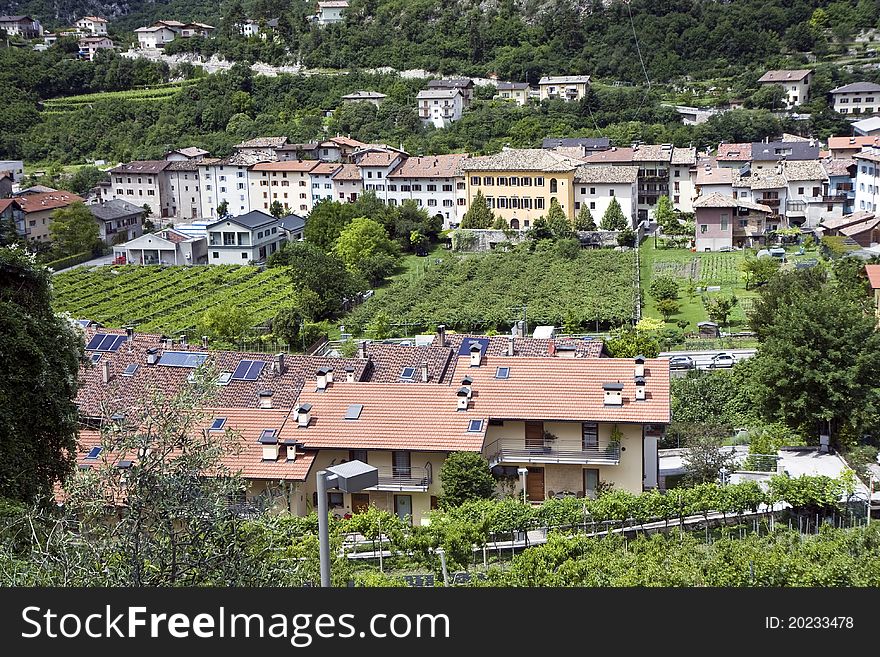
x,y
734,152
348,172
378,158
47,201
431,166
853,143
873,272
6,202
326,168
387,362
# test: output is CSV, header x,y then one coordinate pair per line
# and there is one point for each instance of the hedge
x,y
70,261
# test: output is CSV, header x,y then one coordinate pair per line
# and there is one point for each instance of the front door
x,y
360,502
534,435
403,506
535,485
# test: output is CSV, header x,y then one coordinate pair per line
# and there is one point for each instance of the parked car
x,y
722,360
681,363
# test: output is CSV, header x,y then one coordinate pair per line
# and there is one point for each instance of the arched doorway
x,y
514,223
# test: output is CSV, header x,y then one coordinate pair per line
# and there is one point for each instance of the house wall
x,y
867,185
139,188
797,92
520,96
186,199
854,102
258,244
682,190
220,183
37,225
290,188
347,190
538,195
447,197
16,167
547,91
375,179
597,196
653,182
710,235
131,225
330,15
440,112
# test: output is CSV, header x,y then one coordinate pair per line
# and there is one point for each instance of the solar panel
x,y
94,452
105,342
465,348
502,373
217,424
248,370
408,373
183,358
354,411
130,370
475,426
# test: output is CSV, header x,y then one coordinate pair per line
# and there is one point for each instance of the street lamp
x,y
349,477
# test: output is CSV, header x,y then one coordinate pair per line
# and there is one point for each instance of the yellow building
x,y
520,183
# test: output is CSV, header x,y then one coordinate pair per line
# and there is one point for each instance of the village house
x,y
287,182
248,238
14,167
165,247
186,154
683,171
143,182
577,147
519,184
517,92
21,26
89,46
766,155
165,31
464,85
118,220
434,182
864,127
856,98
372,97
564,87
439,107
11,211
375,164
38,209
183,185
6,184
867,180
322,181
348,184
844,147
227,180
723,222
795,82
596,186
861,227
94,25
733,156
841,174
331,11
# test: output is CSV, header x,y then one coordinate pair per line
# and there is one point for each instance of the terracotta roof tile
x,y
873,272
47,201
430,166
287,165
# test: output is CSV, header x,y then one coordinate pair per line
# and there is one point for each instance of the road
x,y
103,260
703,359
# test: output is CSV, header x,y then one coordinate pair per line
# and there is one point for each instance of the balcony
x,y
501,453
652,175
839,197
770,202
412,479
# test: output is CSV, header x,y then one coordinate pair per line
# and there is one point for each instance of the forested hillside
x,y
517,39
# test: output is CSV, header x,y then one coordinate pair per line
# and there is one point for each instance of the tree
x,y
613,218
380,326
233,18
226,322
540,230
326,221
223,209
769,96
465,476
557,222
148,224
478,215
779,293
705,457
720,308
74,229
41,354
287,324
667,308
664,287
362,240
629,343
626,237
277,209
584,219
758,271
500,223
665,217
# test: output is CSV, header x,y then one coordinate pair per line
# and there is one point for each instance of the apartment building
x,y
21,26
227,180
94,25
808,199
520,183
118,221
517,92
464,85
858,98
144,182
38,208
439,107
841,174
596,186
435,183
683,172
563,87
375,165
90,46
322,182
287,182
867,180
348,184
247,238
795,82
183,184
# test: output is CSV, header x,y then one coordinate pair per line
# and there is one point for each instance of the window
x,y
432,202
704,228
487,180
475,426
743,223
460,185
400,464
592,189
589,435
215,255
724,221
475,180
447,188
432,188
539,204
525,182
228,239
677,173
244,255
418,187
358,455
553,185
610,192
591,482
539,181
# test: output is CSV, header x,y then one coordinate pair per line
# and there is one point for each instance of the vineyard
x,y
167,299
488,291
74,103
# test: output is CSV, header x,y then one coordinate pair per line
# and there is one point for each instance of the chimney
x,y
183,339
511,345
152,355
291,449
640,366
265,399
269,441
613,394
362,349
640,388
476,354
329,376
424,371
467,384
105,371
441,335
279,364
551,348
322,378
349,374
129,333
205,341
303,415
463,395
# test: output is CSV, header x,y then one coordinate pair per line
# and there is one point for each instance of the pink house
x,y
720,219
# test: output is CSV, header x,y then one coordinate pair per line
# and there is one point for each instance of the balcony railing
x,y
796,207
499,454
771,202
404,479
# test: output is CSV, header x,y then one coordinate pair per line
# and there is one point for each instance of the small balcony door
x,y
403,506
401,468
535,485
589,436
591,482
360,502
534,435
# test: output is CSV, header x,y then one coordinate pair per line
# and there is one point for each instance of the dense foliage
x,y
41,355
480,292
465,476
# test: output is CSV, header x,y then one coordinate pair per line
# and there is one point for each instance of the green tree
x,y
380,326
500,223
557,222
664,287
665,217
758,271
629,343
226,322
223,209
465,476
719,308
613,218
478,215
584,219
277,209
769,96
362,240
667,308
540,230
705,457
626,237
287,324
41,354
74,229
326,221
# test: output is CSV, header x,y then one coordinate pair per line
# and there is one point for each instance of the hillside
x,y
517,39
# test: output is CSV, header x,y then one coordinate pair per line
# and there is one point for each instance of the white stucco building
x,y
434,182
596,186
796,84
251,237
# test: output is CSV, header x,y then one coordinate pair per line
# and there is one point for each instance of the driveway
x,y
95,262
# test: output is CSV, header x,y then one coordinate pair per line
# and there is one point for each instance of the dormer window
x,y
613,394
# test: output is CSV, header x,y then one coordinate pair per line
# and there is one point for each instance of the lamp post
x,y
522,477
349,477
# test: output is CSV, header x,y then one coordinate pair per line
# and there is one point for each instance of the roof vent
x,y
424,371
476,354
640,388
324,377
105,371
349,373
511,345
640,365
441,335
463,395
303,415
269,440
266,399
152,355
613,394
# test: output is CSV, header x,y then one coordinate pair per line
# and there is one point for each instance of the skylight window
x,y
94,452
475,426
354,411
95,358
217,424
130,370
408,373
502,373
268,437
224,378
